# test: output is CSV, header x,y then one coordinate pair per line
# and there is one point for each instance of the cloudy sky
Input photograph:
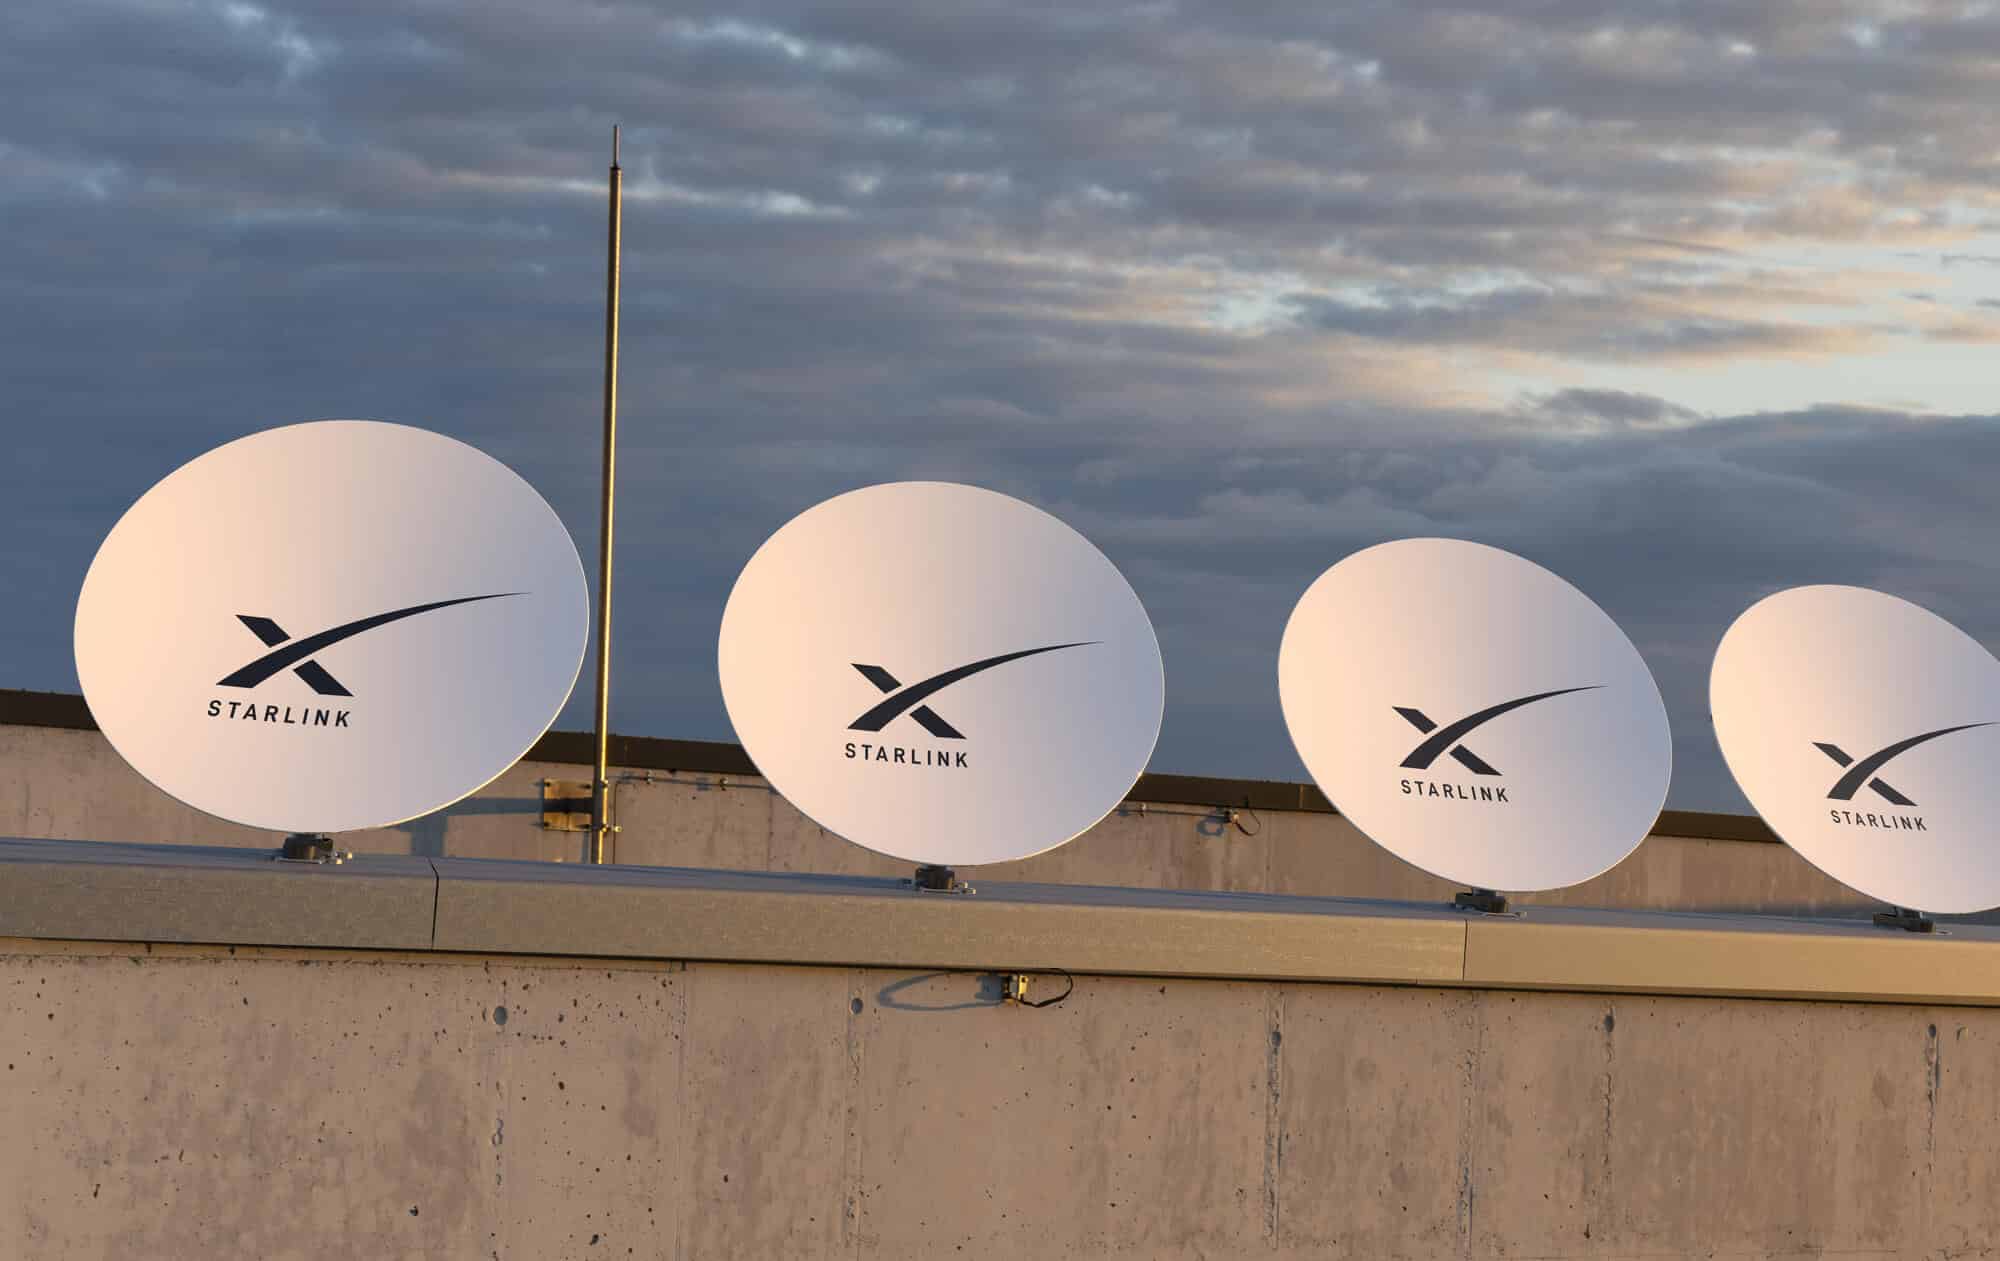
x,y
1688,302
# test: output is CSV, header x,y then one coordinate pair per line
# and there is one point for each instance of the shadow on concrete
x,y
987,992
426,833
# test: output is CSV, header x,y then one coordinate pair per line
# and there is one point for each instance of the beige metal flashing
x,y
81,890
1733,956
540,908
85,891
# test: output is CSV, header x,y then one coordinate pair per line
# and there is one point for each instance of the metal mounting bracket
x,y
937,879
315,848
1485,901
1907,920
566,805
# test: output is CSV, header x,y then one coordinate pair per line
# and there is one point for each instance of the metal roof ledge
x,y
860,921
98,891
92,891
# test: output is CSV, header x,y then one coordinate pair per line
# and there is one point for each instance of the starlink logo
x,y
900,700
1863,772
1449,739
298,656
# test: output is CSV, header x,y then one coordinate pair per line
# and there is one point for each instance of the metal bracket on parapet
x,y
1485,901
316,848
1014,989
936,879
566,805
1907,920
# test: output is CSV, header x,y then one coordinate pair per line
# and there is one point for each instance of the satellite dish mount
x,y
1484,901
1904,918
933,878
310,847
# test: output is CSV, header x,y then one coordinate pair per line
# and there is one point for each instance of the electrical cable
x,y
1069,988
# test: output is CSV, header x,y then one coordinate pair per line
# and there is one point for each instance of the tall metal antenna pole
x,y
600,787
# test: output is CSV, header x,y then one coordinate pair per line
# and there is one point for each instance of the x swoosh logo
x,y
911,699
1443,738
1863,772
297,653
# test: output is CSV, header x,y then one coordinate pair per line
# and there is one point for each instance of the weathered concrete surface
x,y
70,785
197,1102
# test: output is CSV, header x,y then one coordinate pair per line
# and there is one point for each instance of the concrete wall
x,y
70,785
183,1102
1551,1084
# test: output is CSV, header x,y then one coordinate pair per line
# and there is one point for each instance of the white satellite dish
x,y
941,673
1865,730
1474,714
331,626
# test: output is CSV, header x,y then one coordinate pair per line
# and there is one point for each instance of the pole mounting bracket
x,y
566,805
